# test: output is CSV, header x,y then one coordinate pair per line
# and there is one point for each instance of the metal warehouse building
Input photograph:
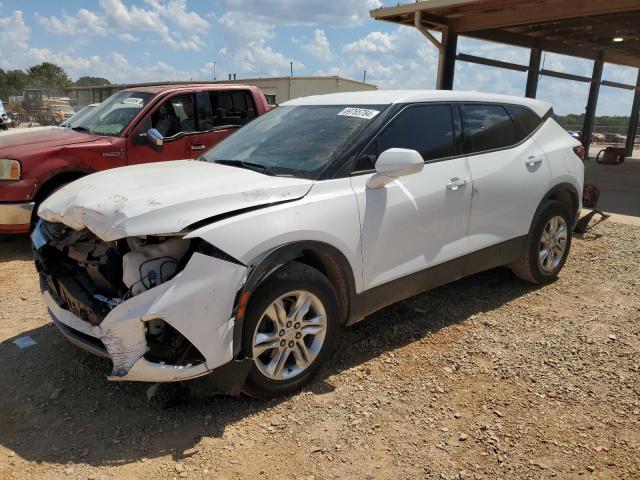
x,y
276,89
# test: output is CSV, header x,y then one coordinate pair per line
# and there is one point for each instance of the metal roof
x,y
581,28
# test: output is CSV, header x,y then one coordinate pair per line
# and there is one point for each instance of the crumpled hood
x,y
16,145
165,197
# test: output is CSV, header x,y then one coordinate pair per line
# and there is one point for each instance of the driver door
x,y
175,120
417,221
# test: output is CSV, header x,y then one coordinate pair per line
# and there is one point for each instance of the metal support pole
x,y
592,102
448,60
633,121
534,71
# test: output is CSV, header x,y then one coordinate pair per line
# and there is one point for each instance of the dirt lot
x,y
485,378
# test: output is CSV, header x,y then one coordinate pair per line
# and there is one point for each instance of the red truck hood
x,y
17,144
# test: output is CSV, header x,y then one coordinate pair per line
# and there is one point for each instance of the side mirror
x,y
154,139
394,163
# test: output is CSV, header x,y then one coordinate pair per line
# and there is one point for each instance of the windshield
x,y
114,114
295,140
75,120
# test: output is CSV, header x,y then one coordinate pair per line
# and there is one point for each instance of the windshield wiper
x,y
81,129
256,167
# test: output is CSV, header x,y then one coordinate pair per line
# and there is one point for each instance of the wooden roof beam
x,y
536,14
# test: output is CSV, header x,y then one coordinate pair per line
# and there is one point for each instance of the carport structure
x,y
599,30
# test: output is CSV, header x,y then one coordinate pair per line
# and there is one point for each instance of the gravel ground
x,y
485,378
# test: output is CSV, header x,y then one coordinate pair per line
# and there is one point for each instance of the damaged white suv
x,y
243,266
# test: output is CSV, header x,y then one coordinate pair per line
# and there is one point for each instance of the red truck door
x,y
220,113
174,118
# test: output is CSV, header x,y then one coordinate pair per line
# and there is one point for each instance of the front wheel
x,y
290,330
547,245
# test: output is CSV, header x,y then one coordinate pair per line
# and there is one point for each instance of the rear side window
x,y
526,121
232,108
425,128
487,127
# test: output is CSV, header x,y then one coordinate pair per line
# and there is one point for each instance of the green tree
x,y
12,82
48,75
91,81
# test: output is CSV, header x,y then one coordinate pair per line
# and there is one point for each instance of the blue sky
x,y
154,40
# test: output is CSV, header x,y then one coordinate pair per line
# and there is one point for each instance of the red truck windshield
x,y
113,115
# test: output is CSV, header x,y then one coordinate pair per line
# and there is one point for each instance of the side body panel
x,y
327,214
508,186
414,222
565,166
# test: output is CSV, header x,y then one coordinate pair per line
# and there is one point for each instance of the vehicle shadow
x,y
57,406
15,247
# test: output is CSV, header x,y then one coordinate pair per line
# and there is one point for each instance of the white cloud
x,y
399,59
246,48
319,47
115,66
342,13
128,38
240,28
14,32
176,12
374,42
115,16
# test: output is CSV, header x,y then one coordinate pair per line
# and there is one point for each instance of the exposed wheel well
x,y
49,187
330,268
567,196
55,182
324,258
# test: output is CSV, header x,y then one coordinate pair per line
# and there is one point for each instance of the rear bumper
x,y
16,217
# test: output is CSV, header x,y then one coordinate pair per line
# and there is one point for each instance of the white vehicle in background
x,y
242,267
79,115
5,121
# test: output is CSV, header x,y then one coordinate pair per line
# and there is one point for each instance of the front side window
x,y
298,140
428,129
486,127
113,115
174,116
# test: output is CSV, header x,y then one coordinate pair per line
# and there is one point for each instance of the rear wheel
x,y
547,245
290,329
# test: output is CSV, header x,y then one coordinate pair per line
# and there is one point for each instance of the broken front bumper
x,y
197,302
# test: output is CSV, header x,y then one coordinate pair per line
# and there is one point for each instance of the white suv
x,y
242,267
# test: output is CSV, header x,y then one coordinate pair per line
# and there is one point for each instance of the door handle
x,y
534,160
456,183
198,146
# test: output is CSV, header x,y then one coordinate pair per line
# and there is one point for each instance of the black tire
x,y
527,267
291,277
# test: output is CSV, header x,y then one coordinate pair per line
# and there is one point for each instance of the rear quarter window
x,y
526,121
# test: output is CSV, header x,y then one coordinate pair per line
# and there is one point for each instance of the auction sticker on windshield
x,y
132,101
358,112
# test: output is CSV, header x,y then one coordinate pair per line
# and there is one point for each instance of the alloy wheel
x,y
289,335
553,244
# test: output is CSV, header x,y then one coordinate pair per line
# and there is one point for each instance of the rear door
x,y
217,118
510,171
420,220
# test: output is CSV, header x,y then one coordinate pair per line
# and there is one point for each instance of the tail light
x,y
580,151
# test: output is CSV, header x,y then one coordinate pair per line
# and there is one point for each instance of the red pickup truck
x,y
138,125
